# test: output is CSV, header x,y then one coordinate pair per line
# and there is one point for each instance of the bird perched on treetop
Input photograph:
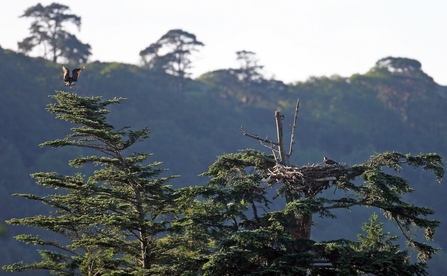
x,y
69,81
329,161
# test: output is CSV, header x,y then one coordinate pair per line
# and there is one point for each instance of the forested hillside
x,y
395,106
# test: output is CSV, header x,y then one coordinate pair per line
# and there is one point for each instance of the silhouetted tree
x,y
47,29
177,46
249,70
171,54
246,83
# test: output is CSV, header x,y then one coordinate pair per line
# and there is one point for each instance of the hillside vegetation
x,y
395,106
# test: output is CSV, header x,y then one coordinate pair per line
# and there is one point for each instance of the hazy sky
x,y
293,39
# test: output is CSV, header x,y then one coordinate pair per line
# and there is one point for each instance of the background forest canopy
x,y
394,107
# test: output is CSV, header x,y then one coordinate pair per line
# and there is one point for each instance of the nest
x,y
309,179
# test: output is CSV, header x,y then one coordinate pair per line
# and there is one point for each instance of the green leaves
x,y
266,242
80,110
429,162
123,219
113,218
395,160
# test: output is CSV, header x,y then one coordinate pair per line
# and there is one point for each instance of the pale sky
x,y
293,39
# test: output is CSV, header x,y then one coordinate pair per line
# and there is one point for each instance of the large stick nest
x,y
308,179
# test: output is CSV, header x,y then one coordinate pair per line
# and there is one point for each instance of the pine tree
x,y
112,222
250,239
48,29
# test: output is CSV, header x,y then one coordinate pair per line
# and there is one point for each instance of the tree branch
x,y
255,136
292,135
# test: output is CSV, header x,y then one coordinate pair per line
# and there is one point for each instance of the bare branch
x,y
292,135
279,119
269,147
255,136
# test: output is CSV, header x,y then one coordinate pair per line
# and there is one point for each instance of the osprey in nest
x,y
329,161
69,81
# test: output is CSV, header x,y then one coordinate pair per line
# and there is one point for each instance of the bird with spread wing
x,y
69,81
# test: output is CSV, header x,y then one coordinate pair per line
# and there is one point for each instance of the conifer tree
x,y
251,239
111,222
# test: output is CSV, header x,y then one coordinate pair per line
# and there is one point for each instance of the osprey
x,y
69,81
329,161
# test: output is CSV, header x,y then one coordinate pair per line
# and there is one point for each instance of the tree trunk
x,y
301,228
144,246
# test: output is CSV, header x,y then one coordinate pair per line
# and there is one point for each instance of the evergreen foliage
x,y
112,221
251,239
345,118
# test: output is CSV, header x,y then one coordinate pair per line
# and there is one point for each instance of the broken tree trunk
x,y
298,182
